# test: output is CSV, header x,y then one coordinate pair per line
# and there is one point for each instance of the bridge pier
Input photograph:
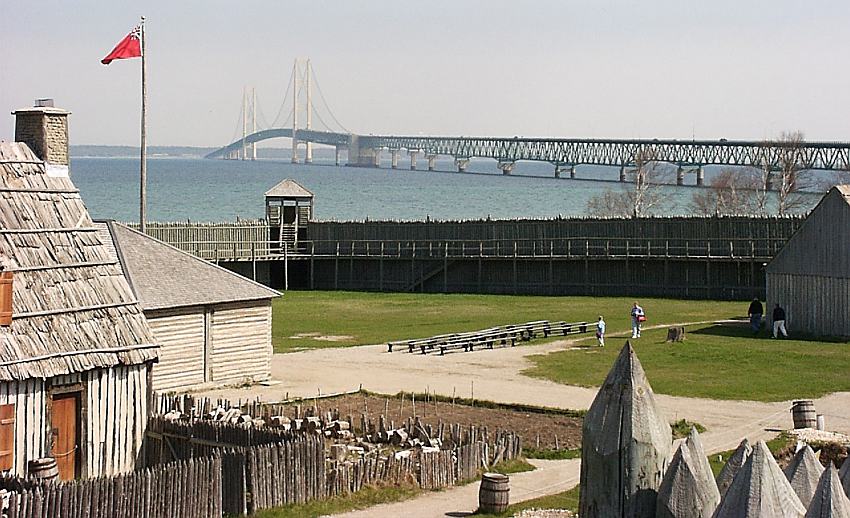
x,y
432,162
308,153
572,172
680,176
622,173
506,167
336,155
294,150
461,164
557,170
394,158
412,159
700,176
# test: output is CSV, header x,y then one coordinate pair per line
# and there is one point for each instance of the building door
x,y
66,434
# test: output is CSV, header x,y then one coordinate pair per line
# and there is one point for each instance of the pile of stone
x,y
625,471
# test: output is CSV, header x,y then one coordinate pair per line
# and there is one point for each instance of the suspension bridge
x,y
564,154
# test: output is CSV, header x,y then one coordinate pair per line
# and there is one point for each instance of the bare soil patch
x,y
322,338
527,424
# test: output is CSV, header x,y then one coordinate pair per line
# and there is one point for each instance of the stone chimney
x,y
44,129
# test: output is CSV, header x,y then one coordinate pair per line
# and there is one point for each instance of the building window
x,y
5,298
7,437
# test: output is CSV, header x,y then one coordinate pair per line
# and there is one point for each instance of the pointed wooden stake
x,y
626,445
829,500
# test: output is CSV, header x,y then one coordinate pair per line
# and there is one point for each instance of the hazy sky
x,y
594,68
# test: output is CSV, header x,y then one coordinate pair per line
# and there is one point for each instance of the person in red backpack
x,y
638,318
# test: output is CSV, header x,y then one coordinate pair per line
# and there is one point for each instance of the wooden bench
x,y
490,337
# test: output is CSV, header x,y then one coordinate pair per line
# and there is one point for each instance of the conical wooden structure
x,y
844,476
829,500
688,489
626,445
804,472
732,466
759,490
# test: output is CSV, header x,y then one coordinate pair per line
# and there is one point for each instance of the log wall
x,y
180,335
113,418
241,342
220,343
815,305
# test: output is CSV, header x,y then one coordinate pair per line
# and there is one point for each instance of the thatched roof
x,y
289,189
829,500
164,277
72,308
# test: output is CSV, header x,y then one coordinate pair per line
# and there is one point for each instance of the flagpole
x,y
143,195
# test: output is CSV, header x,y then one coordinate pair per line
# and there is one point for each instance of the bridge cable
x,y
322,96
325,124
238,123
283,104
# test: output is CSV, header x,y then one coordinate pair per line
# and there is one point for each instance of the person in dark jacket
x,y
779,322
755,313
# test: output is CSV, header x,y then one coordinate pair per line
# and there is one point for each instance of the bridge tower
x,y
302,79
245,116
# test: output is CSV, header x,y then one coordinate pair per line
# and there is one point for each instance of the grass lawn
x,y
372,318
715,361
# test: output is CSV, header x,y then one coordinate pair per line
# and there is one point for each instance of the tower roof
x,y
289,189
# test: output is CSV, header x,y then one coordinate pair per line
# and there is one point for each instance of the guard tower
x,y
289,207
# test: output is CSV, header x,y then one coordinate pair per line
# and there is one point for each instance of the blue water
x,y
222,190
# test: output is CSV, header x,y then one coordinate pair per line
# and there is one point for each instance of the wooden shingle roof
x,y
164,277
819,247
72,307
289,189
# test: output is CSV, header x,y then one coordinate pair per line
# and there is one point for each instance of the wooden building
x,y
289,207
75,349
213,326
810,276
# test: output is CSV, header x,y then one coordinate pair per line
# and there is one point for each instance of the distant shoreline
x,y
102,151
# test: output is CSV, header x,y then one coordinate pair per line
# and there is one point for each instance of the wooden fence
x,y
184,489
267,466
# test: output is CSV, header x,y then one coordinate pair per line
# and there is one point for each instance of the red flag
x,y
129,47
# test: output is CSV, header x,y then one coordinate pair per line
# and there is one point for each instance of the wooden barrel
x,y
44,468
493,495
804,414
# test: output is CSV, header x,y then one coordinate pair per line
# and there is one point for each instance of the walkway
x,y
496,375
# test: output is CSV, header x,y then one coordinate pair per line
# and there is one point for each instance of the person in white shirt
x,y
600,331
638,317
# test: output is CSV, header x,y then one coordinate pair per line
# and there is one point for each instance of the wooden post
x,y
336,268
445,269
143,165
626,442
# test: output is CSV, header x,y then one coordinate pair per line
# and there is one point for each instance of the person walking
x,y
638,318
779,322
755,313
600,331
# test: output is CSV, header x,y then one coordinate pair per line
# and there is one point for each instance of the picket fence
x,y
183,489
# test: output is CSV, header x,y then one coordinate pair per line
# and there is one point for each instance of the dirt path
x,y
550,477
496,375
